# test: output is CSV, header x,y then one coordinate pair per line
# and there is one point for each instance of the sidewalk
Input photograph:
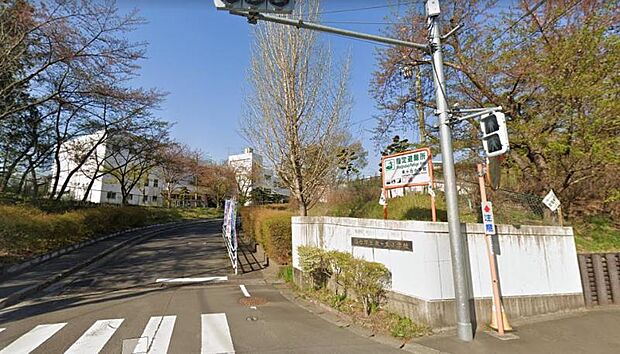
x,y
24,284
588,331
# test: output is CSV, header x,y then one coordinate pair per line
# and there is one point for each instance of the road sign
x,y
551,201
407,169
487,218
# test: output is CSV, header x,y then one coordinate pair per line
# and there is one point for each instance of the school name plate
x,y
384,244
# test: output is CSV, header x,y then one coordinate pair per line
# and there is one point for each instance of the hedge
x,y
366,280
271,228
27,231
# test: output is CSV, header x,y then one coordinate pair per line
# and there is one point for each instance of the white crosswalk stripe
x,y
156,335
93,340
31,340
216,334
155,338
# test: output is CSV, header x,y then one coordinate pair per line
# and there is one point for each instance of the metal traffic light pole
x,y
460,263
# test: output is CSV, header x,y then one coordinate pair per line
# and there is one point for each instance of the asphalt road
x,y
117,306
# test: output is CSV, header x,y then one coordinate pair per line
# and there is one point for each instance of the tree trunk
x,y
56,175
22,180
88,189
419,95
303,208
35,184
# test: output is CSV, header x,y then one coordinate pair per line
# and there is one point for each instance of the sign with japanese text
x,y
399,245
551,201
487,218
407,169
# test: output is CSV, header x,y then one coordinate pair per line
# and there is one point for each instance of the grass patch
x,y
380,321
597,234
200,213
286,273
405,328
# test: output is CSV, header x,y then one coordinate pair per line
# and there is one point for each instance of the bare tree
x,y
177,166
217,181
298,108
134,157
247,178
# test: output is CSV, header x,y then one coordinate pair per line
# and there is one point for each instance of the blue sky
x,y
199,55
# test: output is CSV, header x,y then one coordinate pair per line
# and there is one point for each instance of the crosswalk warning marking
x,y
216,334
156,336
31,340
93,340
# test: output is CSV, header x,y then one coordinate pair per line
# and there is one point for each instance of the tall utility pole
x,y
460,265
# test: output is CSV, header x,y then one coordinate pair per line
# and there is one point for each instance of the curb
x,y
18,295
344,321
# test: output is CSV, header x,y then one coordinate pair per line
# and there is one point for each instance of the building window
x,y
130,197
154,198
155,183
145,198
111,195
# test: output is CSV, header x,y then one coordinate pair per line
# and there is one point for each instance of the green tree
x,y
554,71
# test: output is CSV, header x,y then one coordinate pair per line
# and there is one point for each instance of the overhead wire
x,y
527,13
367,7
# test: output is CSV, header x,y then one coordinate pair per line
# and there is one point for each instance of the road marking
x,y
216,334
31,340
191,280
2,329
156,335
93,340
244,290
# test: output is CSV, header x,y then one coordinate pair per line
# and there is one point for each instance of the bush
x,y
367,280
26,231
271,228
316,264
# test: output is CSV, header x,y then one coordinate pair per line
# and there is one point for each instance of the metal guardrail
x,y
229,232
600,277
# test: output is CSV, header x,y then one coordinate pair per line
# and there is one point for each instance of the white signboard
x,y
411,168
487,218
551,201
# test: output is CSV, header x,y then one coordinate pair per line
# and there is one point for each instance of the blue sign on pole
x,y
487,218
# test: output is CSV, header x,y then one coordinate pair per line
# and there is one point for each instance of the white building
x,y
105,188
251,173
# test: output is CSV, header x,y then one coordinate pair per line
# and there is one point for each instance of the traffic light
x,y
272,6
494,134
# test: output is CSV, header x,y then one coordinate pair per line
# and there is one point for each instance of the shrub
x,y
271,228
277,237
367,280
26,231
315,263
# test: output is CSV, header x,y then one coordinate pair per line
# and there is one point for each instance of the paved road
x,y
116,306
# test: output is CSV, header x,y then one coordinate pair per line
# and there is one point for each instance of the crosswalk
x,y
155,338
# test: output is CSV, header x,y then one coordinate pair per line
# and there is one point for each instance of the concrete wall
x,y
535,262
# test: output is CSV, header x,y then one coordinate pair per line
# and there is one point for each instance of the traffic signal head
x,y
271,6
494,134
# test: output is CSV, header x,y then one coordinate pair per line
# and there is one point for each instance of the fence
x,y
600,278
229,232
